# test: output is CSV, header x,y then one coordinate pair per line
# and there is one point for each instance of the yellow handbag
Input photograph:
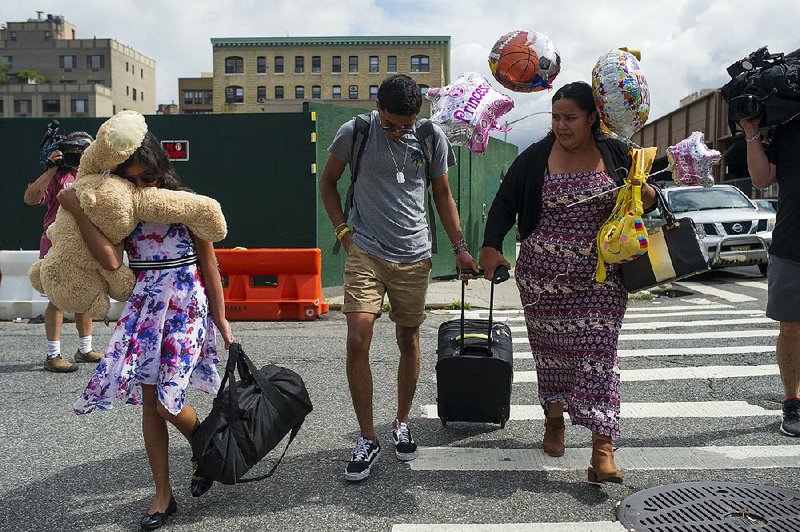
x,y
623,237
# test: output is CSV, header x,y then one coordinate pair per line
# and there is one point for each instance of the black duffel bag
x,y
248,419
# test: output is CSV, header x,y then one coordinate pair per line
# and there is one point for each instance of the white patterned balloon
x,y
620,92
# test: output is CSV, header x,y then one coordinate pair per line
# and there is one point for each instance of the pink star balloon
x,y
691,160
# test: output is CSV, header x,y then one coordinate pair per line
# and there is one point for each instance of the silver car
x,y
732,230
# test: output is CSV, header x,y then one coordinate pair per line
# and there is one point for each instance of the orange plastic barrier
x,y
272,284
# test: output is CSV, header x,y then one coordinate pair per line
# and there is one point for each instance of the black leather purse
x,y
673,252
248,419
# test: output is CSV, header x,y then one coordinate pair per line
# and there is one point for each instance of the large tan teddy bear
x,y
69,275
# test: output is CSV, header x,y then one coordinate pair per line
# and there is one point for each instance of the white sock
x,y
53,349
85,344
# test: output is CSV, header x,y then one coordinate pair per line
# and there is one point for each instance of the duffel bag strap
x,y
275,466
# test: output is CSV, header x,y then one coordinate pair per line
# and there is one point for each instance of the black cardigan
x,y
520,195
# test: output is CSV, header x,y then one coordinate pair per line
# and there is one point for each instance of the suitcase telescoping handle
x,y
500,275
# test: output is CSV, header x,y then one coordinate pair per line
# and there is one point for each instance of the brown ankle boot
x,y
602,467
553,441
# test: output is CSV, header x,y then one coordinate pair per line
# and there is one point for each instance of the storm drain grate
x,y
711,507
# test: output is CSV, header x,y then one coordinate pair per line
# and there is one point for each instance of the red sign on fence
x,y
177,150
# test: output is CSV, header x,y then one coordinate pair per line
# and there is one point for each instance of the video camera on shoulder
x,y
764,86
71,146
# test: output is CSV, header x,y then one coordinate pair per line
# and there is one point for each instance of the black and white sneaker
x,y
366,453
791,418
404,447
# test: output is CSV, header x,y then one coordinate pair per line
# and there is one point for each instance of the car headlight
x,y
770,224
700,230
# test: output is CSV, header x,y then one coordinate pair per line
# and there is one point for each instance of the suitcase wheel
x,y
503,424
444,422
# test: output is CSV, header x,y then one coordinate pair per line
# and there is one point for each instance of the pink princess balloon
x,y
468,110
691,160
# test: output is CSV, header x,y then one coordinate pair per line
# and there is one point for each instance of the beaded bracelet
x,y
459,246
754,138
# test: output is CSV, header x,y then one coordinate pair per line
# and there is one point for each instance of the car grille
x,y
762,225
737,228
710,229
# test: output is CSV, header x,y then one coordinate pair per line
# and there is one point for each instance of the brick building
x,y
85,77
276,74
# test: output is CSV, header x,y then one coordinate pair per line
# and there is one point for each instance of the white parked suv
x,y
732,230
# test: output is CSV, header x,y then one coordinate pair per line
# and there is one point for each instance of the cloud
x,y
685,44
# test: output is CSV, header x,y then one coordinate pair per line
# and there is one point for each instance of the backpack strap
x,y
360,131
425,130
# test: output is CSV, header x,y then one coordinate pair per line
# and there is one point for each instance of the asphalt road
x,y
64,472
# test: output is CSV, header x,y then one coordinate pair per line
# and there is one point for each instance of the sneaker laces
x,y
362,450
402,433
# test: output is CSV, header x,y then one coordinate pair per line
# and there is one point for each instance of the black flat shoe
x,y
200,484
159,519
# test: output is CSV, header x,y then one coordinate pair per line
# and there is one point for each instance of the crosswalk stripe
x,y
627,458
593,526
680,351
672,324
754,313
695,372
733,297
688,409
753,284
683,336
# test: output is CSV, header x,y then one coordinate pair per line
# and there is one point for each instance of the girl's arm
x,y
213,282
104,251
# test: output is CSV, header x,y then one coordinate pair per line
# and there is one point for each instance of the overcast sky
x,y
686,44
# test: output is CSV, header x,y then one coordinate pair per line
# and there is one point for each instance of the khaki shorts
x,y
367,278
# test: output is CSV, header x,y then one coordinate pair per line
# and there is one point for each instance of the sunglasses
x,y
148,176
402,129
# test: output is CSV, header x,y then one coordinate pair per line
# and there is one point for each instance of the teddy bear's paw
x,y
126,130
35,276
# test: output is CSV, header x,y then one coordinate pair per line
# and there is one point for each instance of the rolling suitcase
x,y
475,366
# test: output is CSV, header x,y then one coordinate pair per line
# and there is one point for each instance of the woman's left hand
x,y
226,333
68,199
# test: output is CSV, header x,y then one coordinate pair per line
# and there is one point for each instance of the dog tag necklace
x,y
401,178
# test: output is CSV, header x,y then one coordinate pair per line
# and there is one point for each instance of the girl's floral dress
x,y
165,336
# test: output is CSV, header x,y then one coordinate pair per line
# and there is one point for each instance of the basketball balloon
x,y
525,61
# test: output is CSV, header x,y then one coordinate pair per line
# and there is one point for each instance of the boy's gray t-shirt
x,y
387,217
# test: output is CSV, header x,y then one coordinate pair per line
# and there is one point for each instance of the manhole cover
x,y
711,507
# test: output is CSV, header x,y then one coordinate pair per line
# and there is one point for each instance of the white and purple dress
x,y
165,336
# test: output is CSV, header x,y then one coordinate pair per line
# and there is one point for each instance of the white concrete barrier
x,y
18,299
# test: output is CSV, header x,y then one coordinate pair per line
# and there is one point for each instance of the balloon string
x,y
622,186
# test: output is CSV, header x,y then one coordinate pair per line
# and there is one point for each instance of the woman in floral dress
x,y
573,321
165,339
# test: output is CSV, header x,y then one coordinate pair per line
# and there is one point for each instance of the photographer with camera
x,y
61,167
780,163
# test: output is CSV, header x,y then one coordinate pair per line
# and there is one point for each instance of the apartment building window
x,y
133,94
373,92
188,97
316,92
353,92
234,65
261,94
67,81
336,64
336,92
1,108
80,106
127,90
234,94
261,65
67,62
22,107
279,64
353,64
208,97
374,64
47,36
14,38
316,64
141,73
141,96
299,64
127,67
7,59
51,105
391,64
299,92
420,63
423,89
198,97
279,92
133,70
95,61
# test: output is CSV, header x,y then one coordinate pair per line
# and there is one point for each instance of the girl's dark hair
x,y
151,155
400,95
580,92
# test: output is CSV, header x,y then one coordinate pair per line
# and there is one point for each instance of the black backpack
x,y
248,419
423,130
